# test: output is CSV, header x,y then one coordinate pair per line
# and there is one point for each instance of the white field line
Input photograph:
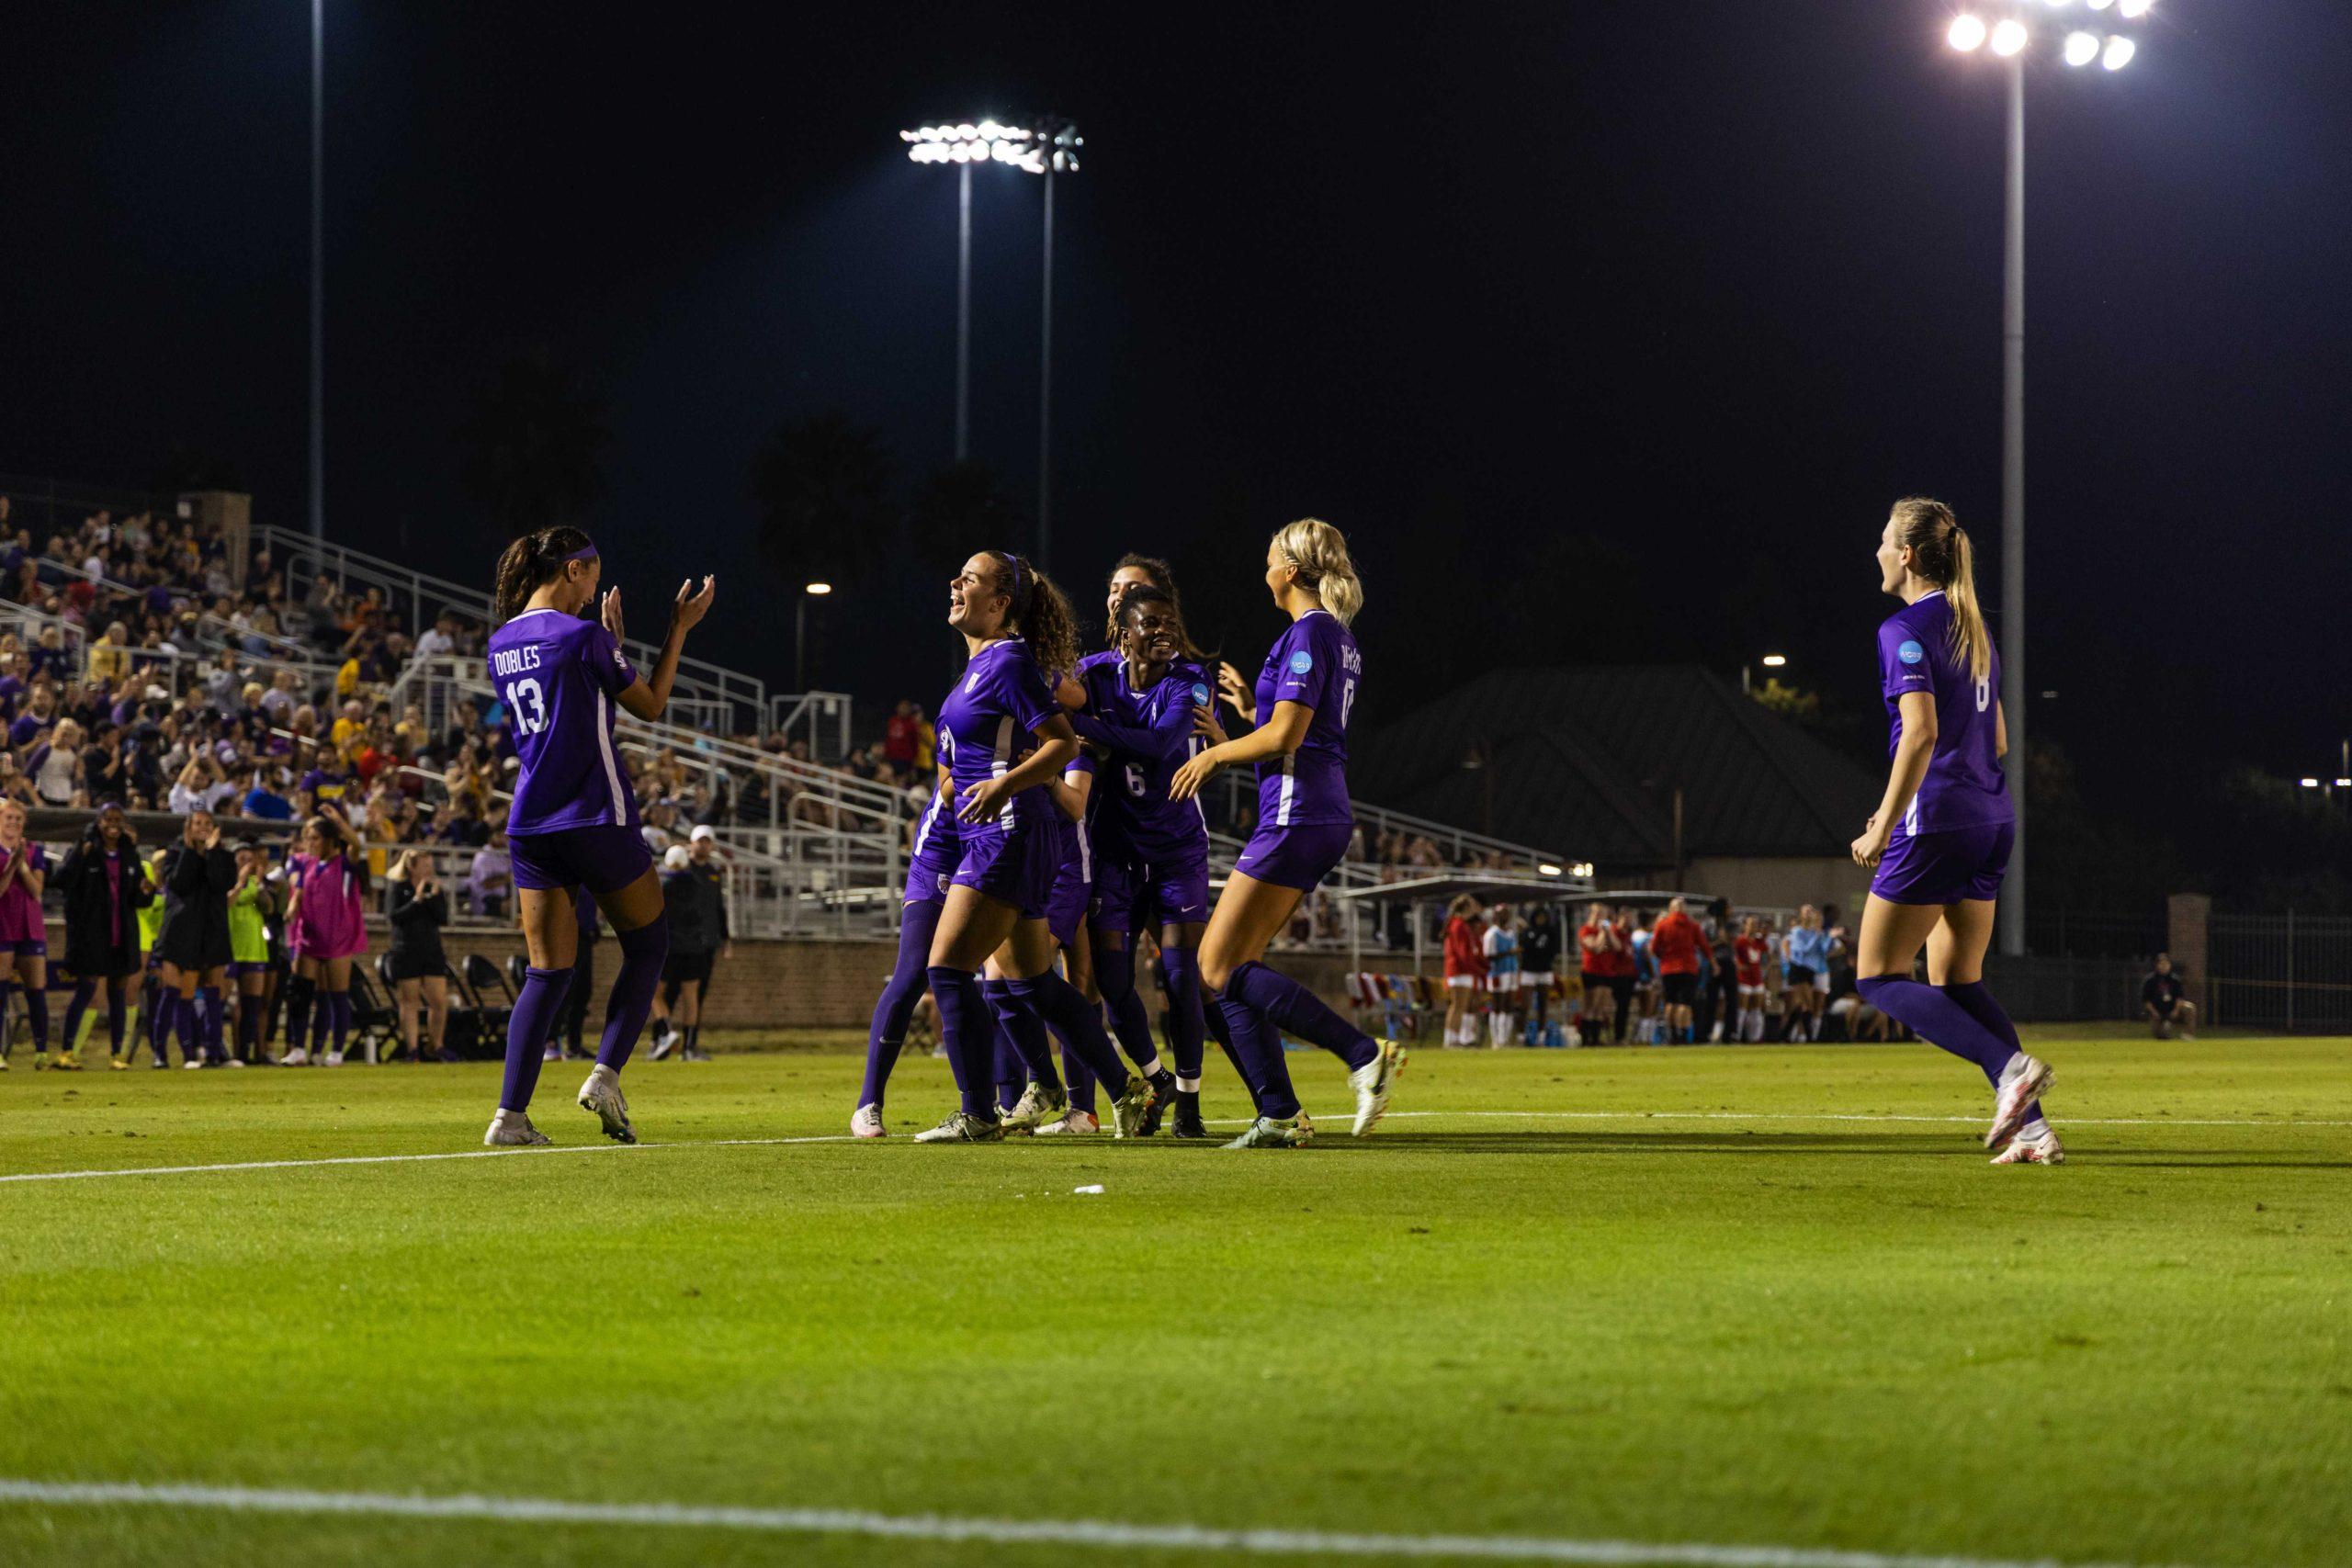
x,y
1220,1121
1097,1533
417,1159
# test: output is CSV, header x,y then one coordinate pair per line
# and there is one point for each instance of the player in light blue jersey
x,y
565,681
1940,840
1301,706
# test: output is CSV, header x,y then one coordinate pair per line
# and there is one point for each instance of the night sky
x,y
1601,329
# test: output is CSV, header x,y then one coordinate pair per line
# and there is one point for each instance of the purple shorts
x,y
603,859
1947,867
240,967
1065,905
1294,857
1151,895
30,947
930,871
1013,865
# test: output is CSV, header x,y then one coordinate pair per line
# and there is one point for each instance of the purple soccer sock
x,y
339,1015
887,1034
1079,1081
527,1028
965,1025
190,1025
1987,1011
1021,1027
1012,1075
1289,1005
1114,976
1939,1020
1060,1004
208,1006
159,1023
83,991
1180,974
642,951
1213,1019
1258,1045
37,1013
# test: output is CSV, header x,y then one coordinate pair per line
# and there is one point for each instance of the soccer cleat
x,y
40,1061
1129,1111
1372,1083
1163,1089
963,1128
1072,1121
661,1046
694,1054
1037,1106
2043,1150
2018,1090
195,1064
116,1064
1276,1133
297,1058
602,1094
67,1062
512,1128
332,1059
552,1054
1188,1124
867,1122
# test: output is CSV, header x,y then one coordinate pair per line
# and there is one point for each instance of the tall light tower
x,y
318,270
1047,146
2007,27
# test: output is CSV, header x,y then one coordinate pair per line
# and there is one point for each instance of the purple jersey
x,y
1316,663
987,723
1075,840
1964,786
559,676
1149,736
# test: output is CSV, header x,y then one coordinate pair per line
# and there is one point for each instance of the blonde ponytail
x,y
1942,554
1320,553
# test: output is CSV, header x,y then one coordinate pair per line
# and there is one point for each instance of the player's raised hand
x,y
691,606
610,611
1236,692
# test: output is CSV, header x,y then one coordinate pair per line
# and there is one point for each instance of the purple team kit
x,y
1953,841
1151,853
574,822
1303,817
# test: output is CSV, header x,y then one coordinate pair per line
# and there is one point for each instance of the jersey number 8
x,y
528,704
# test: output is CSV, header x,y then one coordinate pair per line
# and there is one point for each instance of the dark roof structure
x,y
1584,762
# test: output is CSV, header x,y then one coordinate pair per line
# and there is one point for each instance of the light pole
x,y
318,271
2009,35
800,633
1048,146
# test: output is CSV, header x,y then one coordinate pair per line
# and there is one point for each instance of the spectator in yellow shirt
x,y
110,656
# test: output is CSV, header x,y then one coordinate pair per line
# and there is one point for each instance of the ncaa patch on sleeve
x,y
1302,661
1910,652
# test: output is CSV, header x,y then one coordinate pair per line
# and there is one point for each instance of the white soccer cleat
x,y
1072,1121
332,1059
1037,1104
2043,1150
512,1128
867,1122
552,1054
297,1058
2026,1081
602,1095
1372,1083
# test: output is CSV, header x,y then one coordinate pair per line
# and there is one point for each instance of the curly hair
x,y
1038,611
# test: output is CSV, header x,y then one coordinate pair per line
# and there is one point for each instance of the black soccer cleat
x,y
1188,1124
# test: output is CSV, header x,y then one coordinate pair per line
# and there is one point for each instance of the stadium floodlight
x,y
2081,47
1967,31
1776,660
819,589
2343,784
2136,10
2309,783
1582,868
2009,36
2100,4
2119,55
800,631
1547,869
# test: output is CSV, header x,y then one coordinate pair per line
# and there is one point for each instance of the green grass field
x,y
1723,1298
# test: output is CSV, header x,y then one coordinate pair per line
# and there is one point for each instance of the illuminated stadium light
x,y
2100,4
2119,55
819,589
2309,783
2081,47
2009,36
2343,784
1967,31
1582,868
1547,869
1776,660
2136,8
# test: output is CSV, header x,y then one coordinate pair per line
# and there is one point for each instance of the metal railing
x,y
805,716
420,597
289,649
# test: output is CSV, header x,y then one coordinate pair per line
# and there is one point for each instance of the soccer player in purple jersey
x,y
1146,703
1300,708
930,866
574,821
1002,736
1940,840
